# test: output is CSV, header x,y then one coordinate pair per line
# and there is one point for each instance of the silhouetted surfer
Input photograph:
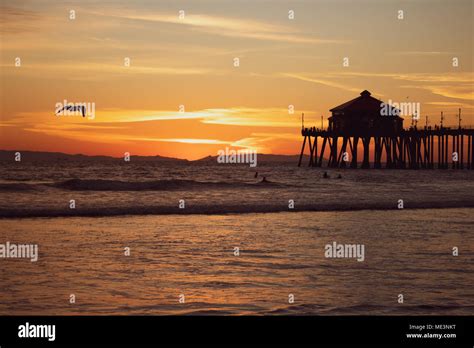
x,y
256,175
264,179
325,175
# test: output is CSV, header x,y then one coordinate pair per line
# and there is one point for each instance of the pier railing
x,y
428,148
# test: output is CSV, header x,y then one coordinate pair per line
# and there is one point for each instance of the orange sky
x,y
189,61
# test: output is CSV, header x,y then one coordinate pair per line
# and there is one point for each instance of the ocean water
x,y
119,188
191,251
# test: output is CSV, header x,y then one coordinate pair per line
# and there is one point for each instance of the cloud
x,y
418,53
264,142
256,117
417,77
238,116
465,92
16,20
454,85
183,140
77,134
450,104
115,126
321,82
82,72
225,26
286,136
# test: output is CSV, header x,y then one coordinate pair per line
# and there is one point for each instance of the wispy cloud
x,y
16,20
119,118
226,26
450,104
183,140
82,72
325,82
237,116
416,77
454,85
418,53
463,92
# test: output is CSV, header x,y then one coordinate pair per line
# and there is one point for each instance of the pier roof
x,y
364,103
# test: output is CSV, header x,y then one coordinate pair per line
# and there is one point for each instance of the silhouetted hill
x,y
37,156
34,156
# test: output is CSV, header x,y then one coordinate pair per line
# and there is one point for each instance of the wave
x,y
103,211
17,187
155,185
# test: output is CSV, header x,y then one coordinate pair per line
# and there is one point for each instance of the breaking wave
x,y
221,209
118,185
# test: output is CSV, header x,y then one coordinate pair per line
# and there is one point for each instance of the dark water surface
x,y
407,251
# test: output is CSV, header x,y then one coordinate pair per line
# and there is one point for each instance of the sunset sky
x,y
190,61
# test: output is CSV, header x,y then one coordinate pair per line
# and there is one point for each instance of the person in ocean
x,y
325,175
264,179
256,175
339,176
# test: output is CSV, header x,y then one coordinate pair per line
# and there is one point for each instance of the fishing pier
x,y
383,141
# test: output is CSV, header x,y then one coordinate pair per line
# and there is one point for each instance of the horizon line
x,y
131,155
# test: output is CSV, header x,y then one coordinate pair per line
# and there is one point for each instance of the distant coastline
x,y
43,156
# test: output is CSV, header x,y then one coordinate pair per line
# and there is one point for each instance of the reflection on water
x,y
406,252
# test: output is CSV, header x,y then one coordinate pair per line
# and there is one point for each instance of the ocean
x,y
213,239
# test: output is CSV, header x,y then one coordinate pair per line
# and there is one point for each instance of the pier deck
x,y
425,148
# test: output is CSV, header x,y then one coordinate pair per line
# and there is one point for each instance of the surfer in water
x,y
256,175
339,176
325,175
264,179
